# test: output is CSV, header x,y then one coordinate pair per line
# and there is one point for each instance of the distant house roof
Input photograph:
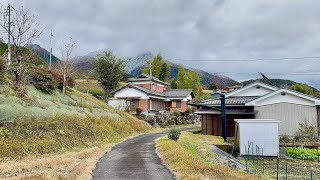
x,y
233,100
145,77
172,93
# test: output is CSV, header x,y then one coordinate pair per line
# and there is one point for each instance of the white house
x,y
261,101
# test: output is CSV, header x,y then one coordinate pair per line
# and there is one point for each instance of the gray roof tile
x,y
232,100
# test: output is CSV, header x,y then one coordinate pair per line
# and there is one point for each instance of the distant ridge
x,y
135,64
43,53
281,83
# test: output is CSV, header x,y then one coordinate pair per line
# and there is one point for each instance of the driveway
x,y
135,159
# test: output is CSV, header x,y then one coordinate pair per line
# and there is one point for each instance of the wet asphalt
x,y
133,159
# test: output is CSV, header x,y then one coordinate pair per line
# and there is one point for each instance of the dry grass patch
x,y
70,165
189,158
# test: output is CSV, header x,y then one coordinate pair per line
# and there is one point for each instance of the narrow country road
x,y
134,159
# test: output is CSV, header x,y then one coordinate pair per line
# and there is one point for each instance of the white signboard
x,y
258,137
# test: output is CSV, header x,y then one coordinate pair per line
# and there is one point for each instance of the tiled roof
x,y
143,89
170,93
145,77
177,92
232,100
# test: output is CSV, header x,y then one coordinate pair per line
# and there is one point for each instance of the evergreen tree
x,y
156,66
109,71
164,72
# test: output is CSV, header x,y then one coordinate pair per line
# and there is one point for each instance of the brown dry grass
x,y
187,158
71,165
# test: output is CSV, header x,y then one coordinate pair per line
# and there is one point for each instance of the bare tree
x,y
25,29
65,66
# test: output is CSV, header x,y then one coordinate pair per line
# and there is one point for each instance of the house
x,y
151,94
260,101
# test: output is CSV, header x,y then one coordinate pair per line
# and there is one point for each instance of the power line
x,y
251,60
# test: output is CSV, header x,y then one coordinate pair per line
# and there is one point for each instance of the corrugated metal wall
x,y
290,116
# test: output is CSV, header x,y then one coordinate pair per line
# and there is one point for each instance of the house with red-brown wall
x,y
151,94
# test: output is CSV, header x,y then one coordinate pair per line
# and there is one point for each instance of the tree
x,y
188,79
109,70
164,72
180,78
212,86
65,65
157,64
303,88
25,29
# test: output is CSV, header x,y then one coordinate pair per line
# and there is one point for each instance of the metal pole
x,y
9,34
50,60
311,174
286,171
224,118
277,168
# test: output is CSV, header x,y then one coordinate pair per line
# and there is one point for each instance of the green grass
x,y
42,123
189,158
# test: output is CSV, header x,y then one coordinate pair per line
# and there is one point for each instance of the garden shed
x,y
257,137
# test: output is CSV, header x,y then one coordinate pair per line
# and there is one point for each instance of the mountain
x,y
43,53
135,64
282,83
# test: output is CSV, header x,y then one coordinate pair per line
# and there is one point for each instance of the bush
x,y
59,79
174,134
43,80
3,68
138,111
284,139
306,132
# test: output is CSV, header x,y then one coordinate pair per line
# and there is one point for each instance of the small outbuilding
x,y
257,137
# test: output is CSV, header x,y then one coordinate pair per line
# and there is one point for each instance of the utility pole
x,y
7,12
51,35
150,68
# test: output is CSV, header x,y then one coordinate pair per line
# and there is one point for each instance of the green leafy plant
x,y
174,134
303,153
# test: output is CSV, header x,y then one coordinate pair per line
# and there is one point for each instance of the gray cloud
x,y
187,29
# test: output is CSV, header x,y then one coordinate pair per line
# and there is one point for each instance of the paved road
x,y
133,159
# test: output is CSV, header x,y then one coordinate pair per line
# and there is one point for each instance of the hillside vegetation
x,y
41,123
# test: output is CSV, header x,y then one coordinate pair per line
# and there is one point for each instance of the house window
x,y
176,104
154,87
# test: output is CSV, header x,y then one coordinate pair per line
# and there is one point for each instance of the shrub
x,y
43,80
284,139
59,79
174,134
138,111
3,68
306,132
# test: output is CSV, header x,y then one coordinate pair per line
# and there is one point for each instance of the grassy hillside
x,y
42,123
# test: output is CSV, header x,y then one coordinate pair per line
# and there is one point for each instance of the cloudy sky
x,y
196,33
